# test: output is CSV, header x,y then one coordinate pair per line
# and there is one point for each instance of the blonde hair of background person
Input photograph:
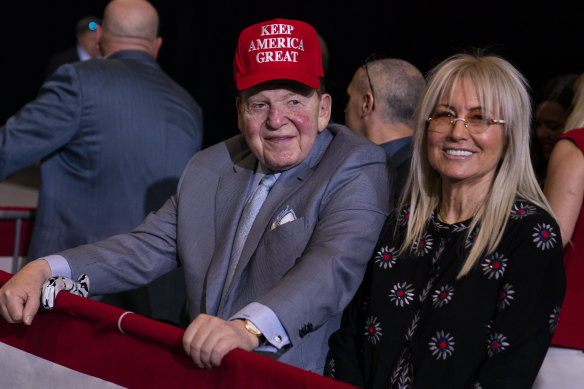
x,y
503,94
564,185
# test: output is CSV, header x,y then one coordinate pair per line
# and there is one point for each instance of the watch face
x,y
252,328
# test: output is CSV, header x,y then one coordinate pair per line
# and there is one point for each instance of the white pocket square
x,y
286,216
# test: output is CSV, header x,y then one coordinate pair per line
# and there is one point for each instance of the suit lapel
x,y
285,187
229,203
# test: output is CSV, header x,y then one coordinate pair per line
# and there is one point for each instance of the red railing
x,y
135,352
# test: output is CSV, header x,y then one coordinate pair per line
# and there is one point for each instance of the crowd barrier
x,y
86,344
16,224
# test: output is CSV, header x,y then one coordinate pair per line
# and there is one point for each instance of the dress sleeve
x,y
344,359
528,303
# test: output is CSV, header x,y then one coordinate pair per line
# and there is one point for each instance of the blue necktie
x,y
249,214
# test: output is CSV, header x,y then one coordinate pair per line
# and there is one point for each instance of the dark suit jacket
x,y
306,270
113,135
401,160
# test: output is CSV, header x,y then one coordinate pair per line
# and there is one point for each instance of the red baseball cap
x,y
278,49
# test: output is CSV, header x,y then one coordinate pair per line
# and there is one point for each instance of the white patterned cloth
x,y
54,285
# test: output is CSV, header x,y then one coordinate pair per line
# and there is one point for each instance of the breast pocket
x,y
284,244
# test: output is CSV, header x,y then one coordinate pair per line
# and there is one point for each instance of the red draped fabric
x,y
92,341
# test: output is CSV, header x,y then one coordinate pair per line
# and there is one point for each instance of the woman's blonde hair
x,y
503,94
576,117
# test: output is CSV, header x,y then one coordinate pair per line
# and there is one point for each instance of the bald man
x,y
113,136
383,95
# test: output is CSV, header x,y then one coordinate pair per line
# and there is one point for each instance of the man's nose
x,y
276,117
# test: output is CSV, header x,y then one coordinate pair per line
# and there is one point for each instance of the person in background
x,y
113,136
272,227
467,278
563,366
383,95
550,115
85,48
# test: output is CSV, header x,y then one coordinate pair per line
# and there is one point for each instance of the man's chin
x,y
279,166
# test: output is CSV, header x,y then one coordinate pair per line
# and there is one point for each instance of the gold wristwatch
x,y
251,328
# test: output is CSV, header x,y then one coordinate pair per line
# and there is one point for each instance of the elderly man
x,y
383,95
273,227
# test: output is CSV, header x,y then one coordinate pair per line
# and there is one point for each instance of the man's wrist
x,y
254,338
267,321
253,329
43,267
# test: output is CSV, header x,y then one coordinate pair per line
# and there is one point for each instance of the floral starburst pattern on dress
x,y
554,319
496,343
404,216
442,296
373,330
401,294
544,236
385,257
423,245
494,265
520,210
505,296
442,345
472,238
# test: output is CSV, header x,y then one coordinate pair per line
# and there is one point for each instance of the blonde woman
x,y
564,364
467,279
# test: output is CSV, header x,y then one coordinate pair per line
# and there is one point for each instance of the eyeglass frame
x,y
370,58
466,125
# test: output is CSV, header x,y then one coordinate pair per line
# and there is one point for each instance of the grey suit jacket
x,y
306,270
113,135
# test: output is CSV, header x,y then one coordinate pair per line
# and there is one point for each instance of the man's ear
x,y
157,44
98,35
239,107
366,104
324,111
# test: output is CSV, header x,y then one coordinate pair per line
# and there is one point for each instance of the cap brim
x,y
253,79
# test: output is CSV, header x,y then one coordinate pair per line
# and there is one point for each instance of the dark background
x,y
200,38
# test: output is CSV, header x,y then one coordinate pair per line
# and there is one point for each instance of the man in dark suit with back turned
x,y
274,227
383,95
113,136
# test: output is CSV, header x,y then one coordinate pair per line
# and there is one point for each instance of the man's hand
x,y
208,339
20,297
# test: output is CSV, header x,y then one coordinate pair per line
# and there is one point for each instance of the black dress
x,y
412,324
